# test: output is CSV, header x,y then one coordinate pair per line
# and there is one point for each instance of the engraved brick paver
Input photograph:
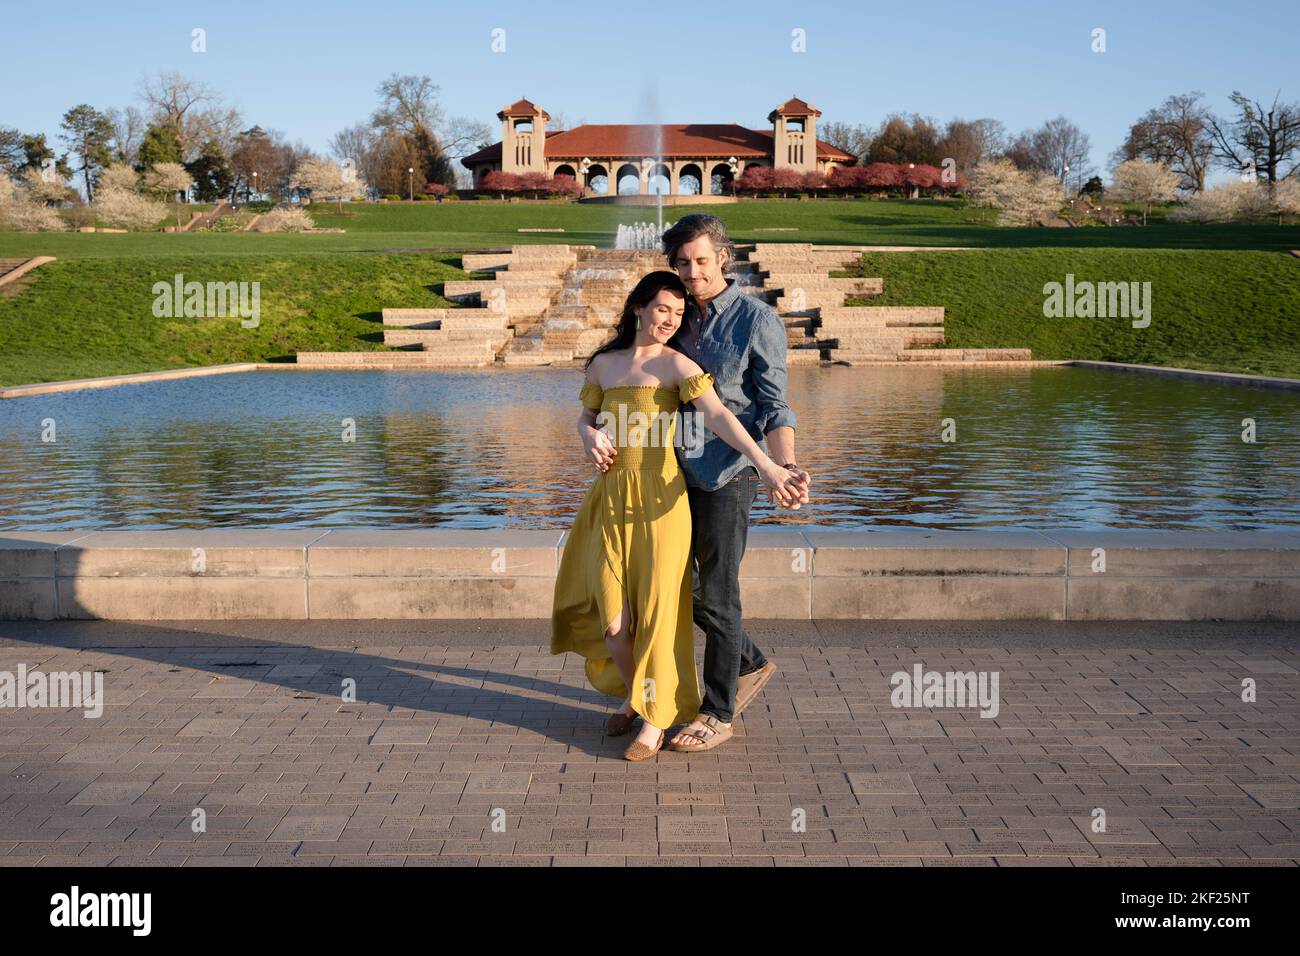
x,y
466,743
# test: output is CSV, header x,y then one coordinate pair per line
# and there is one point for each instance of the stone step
x,y
789,281
810,301
803,356
867,342
442,340
888,314
535,357
445,318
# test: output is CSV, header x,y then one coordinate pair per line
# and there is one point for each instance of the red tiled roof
x,y
522,108
795,107
681,141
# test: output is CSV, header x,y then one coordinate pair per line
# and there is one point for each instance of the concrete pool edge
x,y
107,381
885,574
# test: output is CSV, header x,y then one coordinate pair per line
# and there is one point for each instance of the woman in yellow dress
x,y
623,591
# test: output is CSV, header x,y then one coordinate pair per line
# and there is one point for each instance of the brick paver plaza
x,y
468,743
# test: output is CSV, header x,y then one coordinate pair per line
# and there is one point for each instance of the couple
x,y
658,542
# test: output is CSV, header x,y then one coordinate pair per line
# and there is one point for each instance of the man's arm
x,y
774,416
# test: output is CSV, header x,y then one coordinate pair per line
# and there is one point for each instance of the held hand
x,y
599,447
802,481
782,487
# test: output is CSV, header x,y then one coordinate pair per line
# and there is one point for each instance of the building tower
x,y
794,135
523,137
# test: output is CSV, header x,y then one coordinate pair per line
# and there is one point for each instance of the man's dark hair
x,y
689,228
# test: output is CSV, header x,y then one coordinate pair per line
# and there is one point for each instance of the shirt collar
x,y
722,301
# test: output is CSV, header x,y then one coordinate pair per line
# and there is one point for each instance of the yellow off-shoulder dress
x,y
631,541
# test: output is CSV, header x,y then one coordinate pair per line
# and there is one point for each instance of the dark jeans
x,y
719,526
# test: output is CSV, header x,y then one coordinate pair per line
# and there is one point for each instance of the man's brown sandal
x,y
713,732
748,686
620,723
639,751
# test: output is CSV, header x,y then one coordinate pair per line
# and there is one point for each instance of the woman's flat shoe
x,y
620,723
639,751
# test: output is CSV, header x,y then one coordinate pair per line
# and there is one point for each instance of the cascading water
x,y
640,235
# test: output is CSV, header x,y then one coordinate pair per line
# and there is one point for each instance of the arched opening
x,y
628,180
689,180
720,180
564,169
659,180
598,179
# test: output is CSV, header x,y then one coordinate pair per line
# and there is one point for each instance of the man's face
x,y
700,266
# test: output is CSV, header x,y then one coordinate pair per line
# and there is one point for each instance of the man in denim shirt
x,y
741,341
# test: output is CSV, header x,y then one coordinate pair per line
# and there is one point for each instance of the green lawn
x,y
1224,296
472,225
88,317
1234,311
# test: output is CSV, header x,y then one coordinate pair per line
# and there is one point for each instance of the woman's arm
x,y
720,420
596,444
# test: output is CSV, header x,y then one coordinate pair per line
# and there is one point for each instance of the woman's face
x,y
662,316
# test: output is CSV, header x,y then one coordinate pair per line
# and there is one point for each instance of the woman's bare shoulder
x,y
684,366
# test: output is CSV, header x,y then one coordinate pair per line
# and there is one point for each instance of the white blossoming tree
x,y
168,180
323,179
1022,197
24,212
118,203
1232,201
1144,183
1286,198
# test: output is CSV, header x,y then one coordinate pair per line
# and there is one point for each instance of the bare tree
x,y
1062,149
970,142
1174,134
128,129
193,110
1258,140
407,102
854,140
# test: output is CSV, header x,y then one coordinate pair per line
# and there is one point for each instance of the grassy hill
x,y
1224,296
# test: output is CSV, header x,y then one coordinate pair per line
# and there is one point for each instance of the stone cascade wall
x,y
554,304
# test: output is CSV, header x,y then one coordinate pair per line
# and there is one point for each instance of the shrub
x,y
128,210
285,220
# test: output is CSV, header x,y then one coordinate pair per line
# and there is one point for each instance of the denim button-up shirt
x,y
742,343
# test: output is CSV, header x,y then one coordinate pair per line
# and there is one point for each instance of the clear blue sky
x,y
310,69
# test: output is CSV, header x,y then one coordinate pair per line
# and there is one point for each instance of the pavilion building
x,y
686,159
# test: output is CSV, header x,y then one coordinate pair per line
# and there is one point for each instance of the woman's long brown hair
x,y
649,287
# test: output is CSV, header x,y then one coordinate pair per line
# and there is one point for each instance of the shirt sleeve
x,y
592,395
695,386
767,362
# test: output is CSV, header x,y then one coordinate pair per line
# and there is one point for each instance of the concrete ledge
x,y
1236,378
887,573
107,381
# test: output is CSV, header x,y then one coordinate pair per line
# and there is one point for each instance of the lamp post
x,y
410,188
254,184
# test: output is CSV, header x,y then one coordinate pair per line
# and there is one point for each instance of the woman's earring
x,y
638,322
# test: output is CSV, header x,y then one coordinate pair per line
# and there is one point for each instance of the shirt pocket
x,y
728,361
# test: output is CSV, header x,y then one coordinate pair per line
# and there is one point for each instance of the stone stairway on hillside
x,y
556,304
811,302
